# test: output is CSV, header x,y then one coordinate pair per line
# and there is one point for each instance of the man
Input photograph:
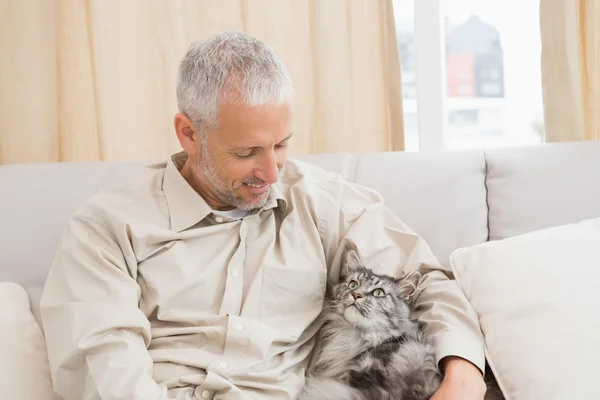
x,y
204,278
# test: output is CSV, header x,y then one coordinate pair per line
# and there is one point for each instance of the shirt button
x,y
205,394
219,219
235,273
239,326
223,364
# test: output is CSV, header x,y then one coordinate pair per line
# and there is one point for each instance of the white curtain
x,y
571,69
95,80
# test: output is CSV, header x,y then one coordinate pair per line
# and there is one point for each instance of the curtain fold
x,y
95,80
570,31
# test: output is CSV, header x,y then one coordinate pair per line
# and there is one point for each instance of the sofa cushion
x,y
24,370
537,187
536,296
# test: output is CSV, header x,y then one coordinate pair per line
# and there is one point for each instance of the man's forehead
x,y
258,141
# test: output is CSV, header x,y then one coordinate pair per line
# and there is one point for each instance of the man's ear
x,y
187,134
408,284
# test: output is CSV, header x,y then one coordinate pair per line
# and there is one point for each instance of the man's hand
x,y
462,381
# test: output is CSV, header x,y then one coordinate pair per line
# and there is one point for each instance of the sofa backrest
x,y
443,196
536,187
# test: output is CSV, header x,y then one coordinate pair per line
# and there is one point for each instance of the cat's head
x,y
376,304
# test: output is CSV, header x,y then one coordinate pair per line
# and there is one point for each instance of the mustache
x,y
252,180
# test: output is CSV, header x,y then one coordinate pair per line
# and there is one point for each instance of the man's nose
x,y
270,171
355,295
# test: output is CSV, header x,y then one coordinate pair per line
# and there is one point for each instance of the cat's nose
x,y
355,295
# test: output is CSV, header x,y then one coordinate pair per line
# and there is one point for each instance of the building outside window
x,y
492,94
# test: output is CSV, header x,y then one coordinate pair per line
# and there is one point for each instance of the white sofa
x,y
453,199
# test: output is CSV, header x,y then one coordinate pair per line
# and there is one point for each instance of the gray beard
x,y
207,169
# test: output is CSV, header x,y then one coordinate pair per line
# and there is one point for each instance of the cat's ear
x,y
408,284
351,262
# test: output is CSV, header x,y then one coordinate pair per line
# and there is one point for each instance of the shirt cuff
x,y
460,345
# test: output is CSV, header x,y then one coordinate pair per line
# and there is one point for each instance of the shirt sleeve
x,y
355,216
96,335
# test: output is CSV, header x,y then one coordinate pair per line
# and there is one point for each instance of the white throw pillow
x,y
537,296
24,371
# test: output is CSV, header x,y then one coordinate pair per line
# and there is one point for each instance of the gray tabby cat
x,y
371,346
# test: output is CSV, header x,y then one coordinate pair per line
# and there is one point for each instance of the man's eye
x,y
244,155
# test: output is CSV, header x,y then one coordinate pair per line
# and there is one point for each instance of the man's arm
x,y
462,380
357,217
96,335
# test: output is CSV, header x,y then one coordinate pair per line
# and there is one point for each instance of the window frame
x,y
430,49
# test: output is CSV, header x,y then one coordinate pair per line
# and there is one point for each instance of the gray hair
x,y
230,67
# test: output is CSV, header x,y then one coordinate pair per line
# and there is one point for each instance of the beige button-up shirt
x,y
152,296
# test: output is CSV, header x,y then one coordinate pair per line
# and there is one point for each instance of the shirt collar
x,y
276,200
187,207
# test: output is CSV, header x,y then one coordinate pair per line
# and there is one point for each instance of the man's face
x,y
238,162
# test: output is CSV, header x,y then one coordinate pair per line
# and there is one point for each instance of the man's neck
x,y
202,189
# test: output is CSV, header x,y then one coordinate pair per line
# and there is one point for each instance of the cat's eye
x,y
378,293
352,285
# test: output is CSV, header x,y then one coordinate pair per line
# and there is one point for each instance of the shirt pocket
x,y
291,298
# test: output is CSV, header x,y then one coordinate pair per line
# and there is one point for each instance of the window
x,y
464,73
491,89
405,35
495,74
464,90
472,79
465,118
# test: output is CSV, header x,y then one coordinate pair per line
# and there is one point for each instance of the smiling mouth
x,y
257,189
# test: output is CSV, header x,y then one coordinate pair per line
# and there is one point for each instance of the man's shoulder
x,y
310,179
298,168
305,177
143,187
